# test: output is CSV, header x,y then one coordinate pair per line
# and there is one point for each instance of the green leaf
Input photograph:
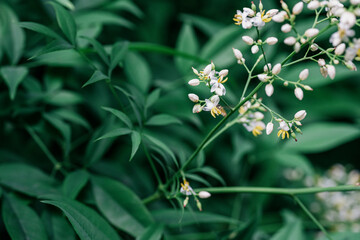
x,y
197,178
342,236
66,22
96,77
39,28
63,98
67,4
57,226
172,218
74,182
56,45
163,147
120,115
13,76
210,172
71,116
21,221
102,17
98,48
87,223
121,206
162,119
138,71
208,26
115,133
26,179
152,98
153,232
319,137
293,229
294,160
186,43
118,52
125,5
64,58
135,143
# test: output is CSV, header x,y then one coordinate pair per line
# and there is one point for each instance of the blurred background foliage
x,y
49,123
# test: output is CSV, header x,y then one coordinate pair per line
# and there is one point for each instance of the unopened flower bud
x,y
186,201
324,71
297,47
224,72
297,9
304,74
253,6
313,5
212,65
198,204
300,115
204,194
237,54
276,69
271,40
311,32
269,89
321,62
193,97
286,83
195,71
308,88
263,77
299,94
269,128
314,47
254,49
336,61
286,28
298,130
331,71
350,65
272,12
284,6
290,41
267,67
279,18
340,49
207,69
197,108
261,6
248,40
194,82
293,135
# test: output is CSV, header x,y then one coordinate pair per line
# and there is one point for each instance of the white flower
x,y
255,127
342,35
248,40
269,89
355,2
313,5
269,128
321,62
300,115
286,28
353,51
223,72
211,105
263,77
217,83
254,49
311,32
204,194
297,9
194,82
284,128
186,189
276,69
347,20
193,97
290,41
331,71
299,94
304,74
237,54
258,115
340,49
280,17
271,40
243,18
197,108
207,69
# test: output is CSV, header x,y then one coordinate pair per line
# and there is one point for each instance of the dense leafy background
x,y
73,157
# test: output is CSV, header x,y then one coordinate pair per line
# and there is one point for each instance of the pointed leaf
x,y
120,115
122,207
87,223
118,52
57,226
162,119
71,116
163,147
115,133
98,48
66,58
187,43
26,179
96,77
13,76
153,232
66,22
127,6
39,28
67,4
135,143
138,71
152,98
102,17
74,182
56,45
21,221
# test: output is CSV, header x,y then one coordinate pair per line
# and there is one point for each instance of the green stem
x,y
152,164
227,126
311,216
152,198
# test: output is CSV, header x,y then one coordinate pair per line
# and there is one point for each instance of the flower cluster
x,y
187,190
214,80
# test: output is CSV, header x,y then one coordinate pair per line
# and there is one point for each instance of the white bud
x,y
186,201
263,77
284,6
207,69
272,12
290,41
224,72
311,32
323,71
302,40
304,74
299,94
331,71
340,49
237,54
267,67
276,69
350,65
355,2
204,194
197,108
279,18
195,71
254,49
271,40
314,47
269,128
286,28
336,61
248,40
321,62
286,83
307,88
194,82
259,115
297,9
269,89
193,97
357,11
300,115
297,47
313,5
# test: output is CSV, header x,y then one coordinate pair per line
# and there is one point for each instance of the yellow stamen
x,y
283,134
224,81
242,110
342,33
215,112
257,131
358,52
265,17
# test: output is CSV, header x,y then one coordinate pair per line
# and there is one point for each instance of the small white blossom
x,y
297,9
304,74
355,2
286,28
342,35
276,69
254,49
311,32
299,94
194,82
331,71
204,194
350,65
271,40
223,72
243,18
321,62
269,128
211,105
269,89
255,127
197,108
347,20
207,69
193,97
248,40
290,41
300,115
263,77
314,47
284,128
195,71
